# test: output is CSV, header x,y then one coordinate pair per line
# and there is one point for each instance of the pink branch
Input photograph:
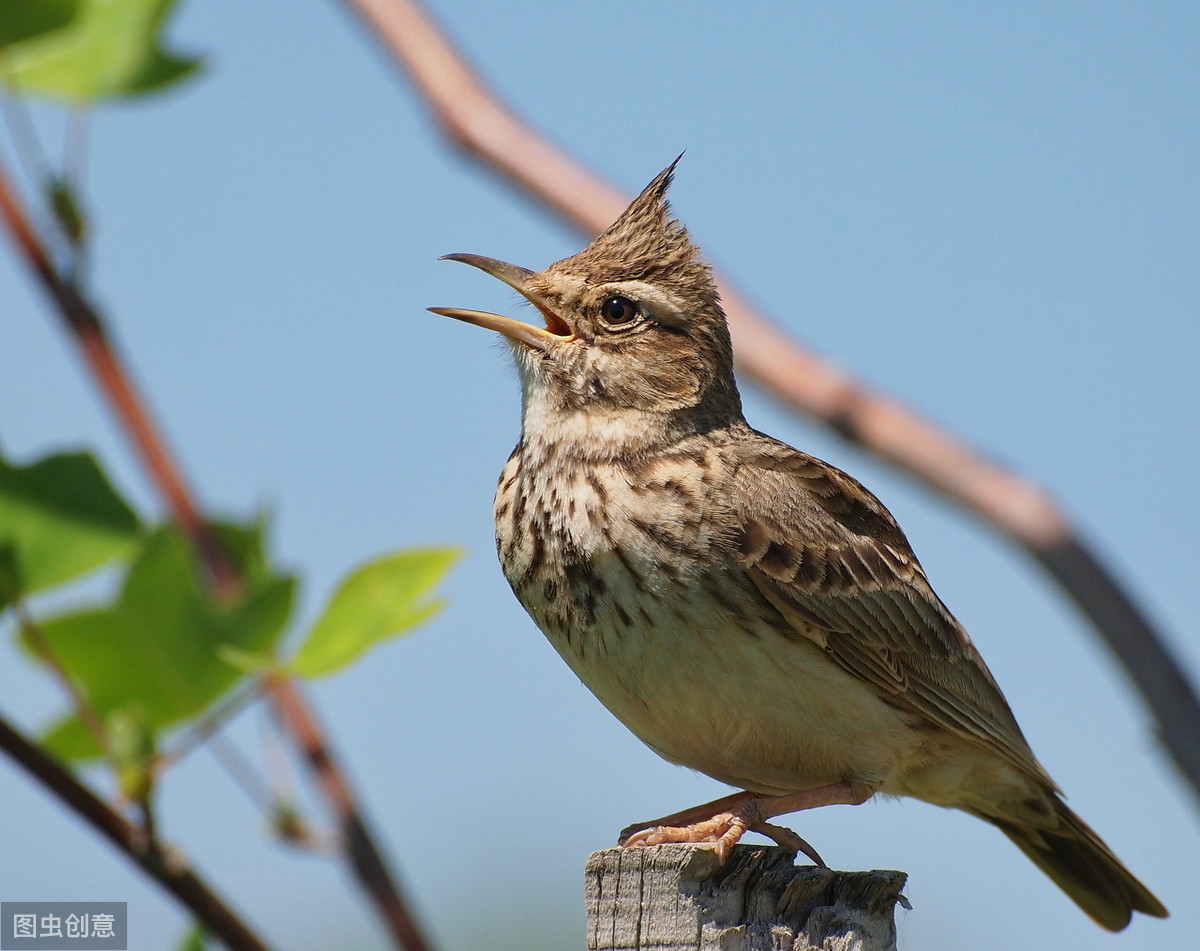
x,y
475,121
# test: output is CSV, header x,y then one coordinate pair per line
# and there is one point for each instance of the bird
x,y
744,608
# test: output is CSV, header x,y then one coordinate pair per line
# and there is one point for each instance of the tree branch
x,y
84,711
368,865
85,327
167,867
475,121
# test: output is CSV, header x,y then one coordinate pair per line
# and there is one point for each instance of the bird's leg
x,y
742,812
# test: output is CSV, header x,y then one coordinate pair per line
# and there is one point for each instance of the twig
x,y
475,121
79,703
203,728
368,864
166,867
75,145
203,731
86,329
31,157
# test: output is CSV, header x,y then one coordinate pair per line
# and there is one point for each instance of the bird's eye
x,y
618,310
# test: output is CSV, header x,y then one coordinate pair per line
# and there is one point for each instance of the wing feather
x,y
826,553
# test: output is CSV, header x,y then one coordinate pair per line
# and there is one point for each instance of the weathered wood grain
x,y
679,898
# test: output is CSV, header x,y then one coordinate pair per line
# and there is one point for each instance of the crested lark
x,y
745,609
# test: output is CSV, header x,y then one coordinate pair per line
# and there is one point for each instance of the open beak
x,y
556,330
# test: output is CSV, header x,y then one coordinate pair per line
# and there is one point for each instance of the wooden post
x,y
678,898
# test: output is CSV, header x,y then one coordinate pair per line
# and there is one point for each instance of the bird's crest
x,y
645,243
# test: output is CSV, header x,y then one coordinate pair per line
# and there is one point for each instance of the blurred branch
x,y
476,122
168,867
83,708
85,327
366,861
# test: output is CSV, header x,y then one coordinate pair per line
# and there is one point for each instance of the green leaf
x,y
376,601
11,585
24,19
112,48
243,544
156,650
63,518
247,662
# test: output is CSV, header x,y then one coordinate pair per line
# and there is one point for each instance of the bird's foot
x,y
726,820
685,820
724,829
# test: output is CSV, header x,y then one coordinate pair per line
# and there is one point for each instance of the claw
x,y
731,837
789,840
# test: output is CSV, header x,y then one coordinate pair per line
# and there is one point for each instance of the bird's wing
x,y
828,555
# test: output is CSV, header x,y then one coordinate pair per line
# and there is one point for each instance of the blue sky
x,y
988,211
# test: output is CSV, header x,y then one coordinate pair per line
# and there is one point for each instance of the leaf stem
x,y
206,725
83,708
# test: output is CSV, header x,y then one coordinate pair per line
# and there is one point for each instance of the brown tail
x,y
1081,865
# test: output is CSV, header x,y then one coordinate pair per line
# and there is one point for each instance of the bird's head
x,y
633,325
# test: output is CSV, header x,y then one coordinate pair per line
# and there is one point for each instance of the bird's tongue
x,y
555,324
